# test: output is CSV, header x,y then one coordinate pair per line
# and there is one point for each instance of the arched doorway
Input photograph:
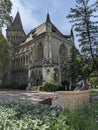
x,y
36,78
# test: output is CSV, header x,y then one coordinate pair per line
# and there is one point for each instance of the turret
x,y
48,18
15,33
72,35
48,23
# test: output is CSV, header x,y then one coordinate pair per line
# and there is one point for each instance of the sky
x,y
34,12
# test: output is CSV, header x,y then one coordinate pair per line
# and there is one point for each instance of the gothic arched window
x,y
63,60
40,51
56,75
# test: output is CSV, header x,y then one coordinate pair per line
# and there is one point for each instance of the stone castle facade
x,y
40,55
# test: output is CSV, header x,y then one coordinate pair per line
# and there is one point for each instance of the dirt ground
x,y
34,96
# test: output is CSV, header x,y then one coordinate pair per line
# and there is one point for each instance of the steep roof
x,y
48,18
17,24
43,28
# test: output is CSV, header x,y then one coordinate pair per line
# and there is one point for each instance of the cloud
x,y
28,18
33,13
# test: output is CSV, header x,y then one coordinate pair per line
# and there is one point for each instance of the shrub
x,y
81,118
50,87
94,80
10,86
14,86
22,87
29,116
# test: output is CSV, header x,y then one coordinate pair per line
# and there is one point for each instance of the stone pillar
x,y
29,79
9,74
20,61
70,81
48,54
59,70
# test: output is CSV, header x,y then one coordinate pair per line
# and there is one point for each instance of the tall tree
x,y
74,68
84,19
5,19
5,11
4,52
80,65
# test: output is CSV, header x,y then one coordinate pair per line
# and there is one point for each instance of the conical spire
x,y
48,18
17,24
71,32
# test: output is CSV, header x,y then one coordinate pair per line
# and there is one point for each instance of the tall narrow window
x,y
40,51
63,61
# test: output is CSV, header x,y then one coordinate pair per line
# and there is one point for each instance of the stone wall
x,y
71,99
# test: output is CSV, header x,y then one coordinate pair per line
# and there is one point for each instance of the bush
x,y
10,86
50,87
29,116
14,86
94,80
22,87
81,118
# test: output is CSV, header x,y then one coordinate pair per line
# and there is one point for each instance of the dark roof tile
x,y
17,24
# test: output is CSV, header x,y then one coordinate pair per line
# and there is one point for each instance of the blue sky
x,y
33,13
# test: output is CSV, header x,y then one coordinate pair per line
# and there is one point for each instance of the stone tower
x,y
15,33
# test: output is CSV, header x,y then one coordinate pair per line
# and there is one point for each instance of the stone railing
x,y
71,99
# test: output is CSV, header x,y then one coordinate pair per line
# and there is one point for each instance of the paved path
x,y
8,96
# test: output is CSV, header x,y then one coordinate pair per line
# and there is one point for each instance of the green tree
x,y
5,19
5,11
4,52
74,69
80,65
84,19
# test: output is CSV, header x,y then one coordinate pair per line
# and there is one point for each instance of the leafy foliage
x,y
84,20
80,65
94,102
14,86
82,119
5,10
50,87
74,69
4,52
29,116
94,80
24,115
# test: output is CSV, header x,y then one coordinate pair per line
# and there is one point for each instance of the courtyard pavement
x,y
34,96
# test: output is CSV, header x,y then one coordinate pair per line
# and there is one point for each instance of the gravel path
x,y
8,96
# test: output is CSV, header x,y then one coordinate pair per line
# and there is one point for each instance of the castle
x,y
40,55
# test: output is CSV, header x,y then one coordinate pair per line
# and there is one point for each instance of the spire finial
x,y
48,18
71,32
17,9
